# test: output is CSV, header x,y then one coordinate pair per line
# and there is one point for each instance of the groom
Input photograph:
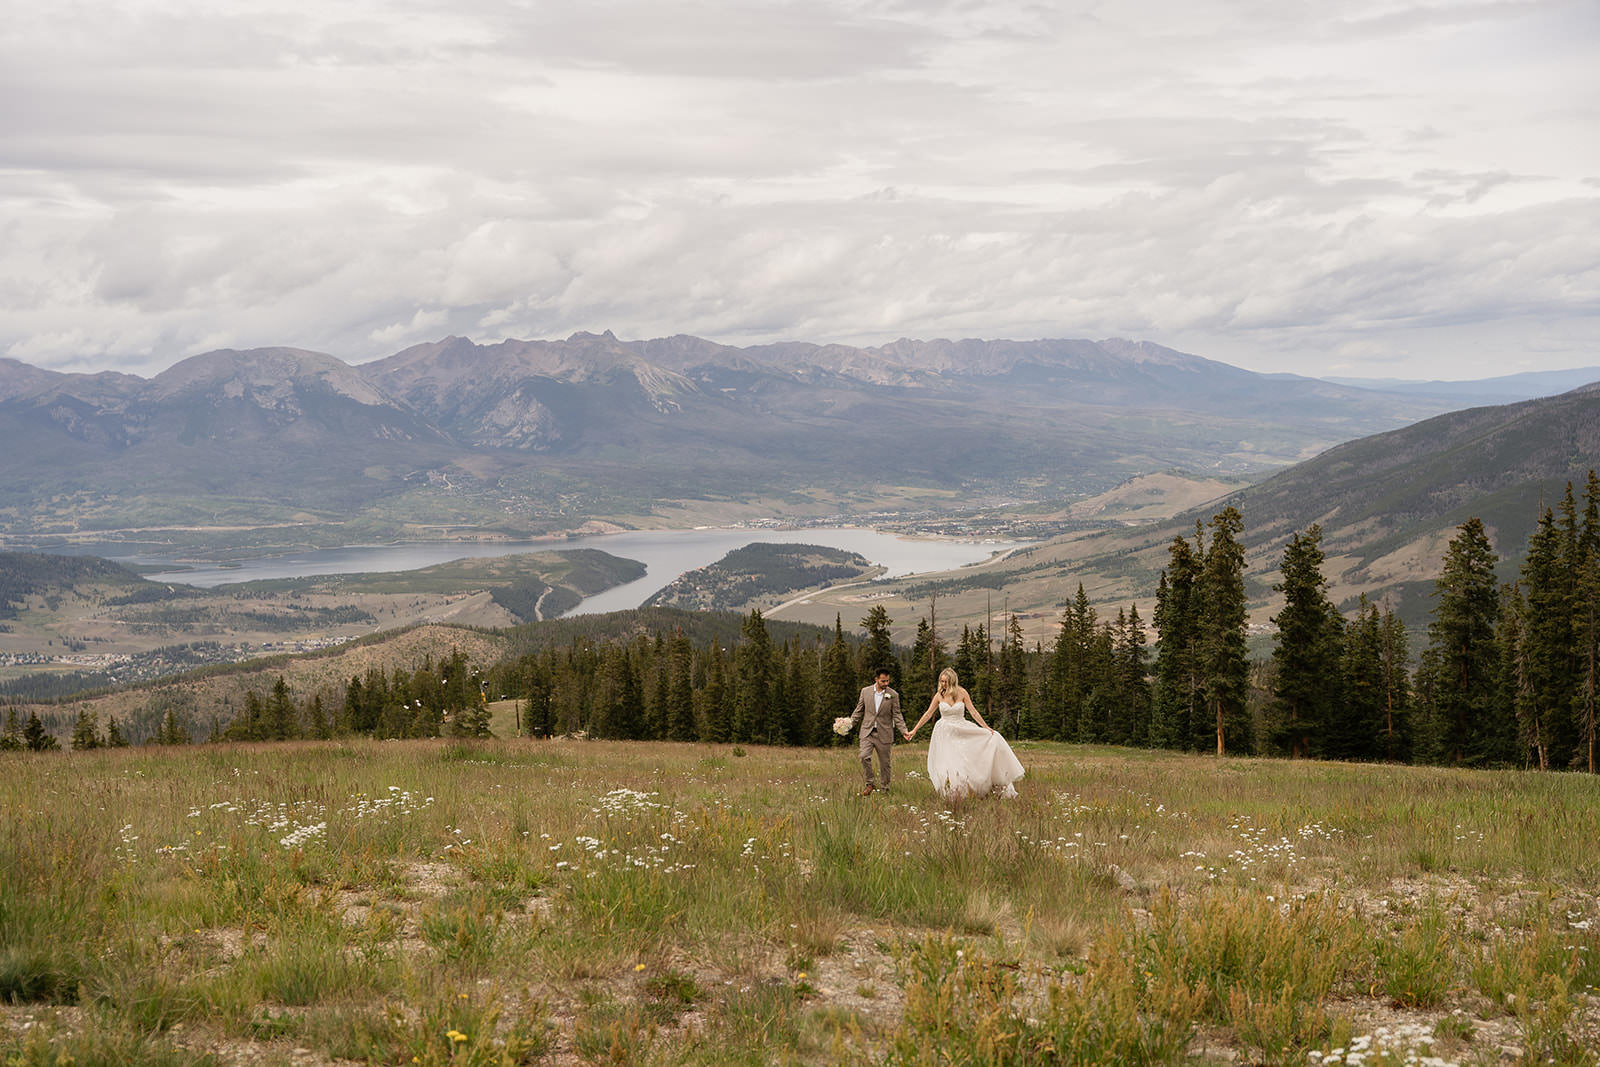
x,y
878,712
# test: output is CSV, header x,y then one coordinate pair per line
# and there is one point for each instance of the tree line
x,y
1508,675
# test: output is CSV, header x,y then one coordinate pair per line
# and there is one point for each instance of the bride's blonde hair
x,y
948,681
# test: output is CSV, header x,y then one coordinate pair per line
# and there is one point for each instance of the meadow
x,y
565,902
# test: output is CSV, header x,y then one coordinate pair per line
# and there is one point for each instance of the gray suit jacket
x,y
878,721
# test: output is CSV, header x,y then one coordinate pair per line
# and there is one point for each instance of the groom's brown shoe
x,y
867,792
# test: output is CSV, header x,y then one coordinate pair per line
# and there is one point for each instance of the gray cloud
x,y
1370,188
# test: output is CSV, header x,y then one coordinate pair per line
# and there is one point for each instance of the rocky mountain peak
x,y
263,374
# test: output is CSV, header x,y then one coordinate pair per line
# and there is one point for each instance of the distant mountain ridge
x,y
1378,496
1505,389
524,435
1387,505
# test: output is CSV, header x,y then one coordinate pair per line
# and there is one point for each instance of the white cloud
x,y
1393,187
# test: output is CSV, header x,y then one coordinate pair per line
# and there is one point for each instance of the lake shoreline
x,y
665,553
81,543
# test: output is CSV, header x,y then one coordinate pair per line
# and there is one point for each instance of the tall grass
x,y
512,902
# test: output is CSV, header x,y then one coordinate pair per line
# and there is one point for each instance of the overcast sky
x,y
1367,187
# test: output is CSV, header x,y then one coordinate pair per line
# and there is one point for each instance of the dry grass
x,y
570,902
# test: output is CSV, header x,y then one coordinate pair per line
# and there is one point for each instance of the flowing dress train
x,y
964,758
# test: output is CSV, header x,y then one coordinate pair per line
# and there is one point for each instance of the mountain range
x,y
523,437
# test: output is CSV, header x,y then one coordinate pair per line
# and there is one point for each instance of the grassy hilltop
x,y
586,902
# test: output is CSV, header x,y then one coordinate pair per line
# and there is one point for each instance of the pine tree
x,y
394,720
1586,631
1179,699
282,722
715,711
1224,668
836,688
969,661
1428,732
426,710
1011,684
1541,640
928,658
1358,726
319,727
569,713
619,701
114,735
1516,681
1069,670
1564,746
1462,637
680,695
979,678
800,696
34,738
1549,637
1589,528
172,731
86,732
11,736
878,652
377,702
1099,687
753,678
535,716
351,712
1135,698
249,725
1305,652
660,701
1397,733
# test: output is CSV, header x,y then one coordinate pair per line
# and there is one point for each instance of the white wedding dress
x,y
964,758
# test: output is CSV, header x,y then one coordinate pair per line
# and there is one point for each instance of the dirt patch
x,y
18,1020
236,1051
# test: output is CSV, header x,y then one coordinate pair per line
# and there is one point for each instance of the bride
x,y
963,757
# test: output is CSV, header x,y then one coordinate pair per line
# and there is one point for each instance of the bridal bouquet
x,y
841,725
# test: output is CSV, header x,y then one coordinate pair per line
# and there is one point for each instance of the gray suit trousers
x,y
883,746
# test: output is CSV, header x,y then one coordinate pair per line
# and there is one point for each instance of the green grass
x,y
522,901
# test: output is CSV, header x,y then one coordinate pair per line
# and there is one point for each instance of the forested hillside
x,y
761,570
1376,496
32,574
1387,505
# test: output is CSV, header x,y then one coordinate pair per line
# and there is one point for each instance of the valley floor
x,y
584,902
